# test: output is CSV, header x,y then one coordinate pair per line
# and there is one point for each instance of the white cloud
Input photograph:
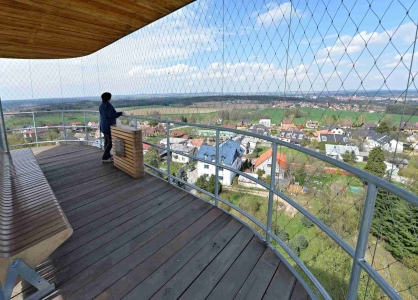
x,y
397,60
350,45
276,12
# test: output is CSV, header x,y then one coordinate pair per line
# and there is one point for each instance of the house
x,y
196,143
265,122
230,155
159,129
230,126
173,141
369,126
212,132
400,163
333,138
145,147
31,132
385,142
148,131
247,143
337,151
177,133
312,124
264,163
287,124
80,136
409,126
244,124
347,123
259,129
192,151
247,182
76,125
335,129
290,136
93,124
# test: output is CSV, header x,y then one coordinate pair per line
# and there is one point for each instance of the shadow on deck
x,y
146,239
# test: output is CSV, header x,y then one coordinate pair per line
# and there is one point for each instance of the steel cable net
x,y
335,76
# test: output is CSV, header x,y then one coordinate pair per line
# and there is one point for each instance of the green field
x,y
315,114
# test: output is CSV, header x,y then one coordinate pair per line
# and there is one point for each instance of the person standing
x,y
108,116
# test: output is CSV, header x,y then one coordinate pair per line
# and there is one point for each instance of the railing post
x,y
85,129
362,240
271,194
100,133
6,142
217,169
63,127
167,125
36,131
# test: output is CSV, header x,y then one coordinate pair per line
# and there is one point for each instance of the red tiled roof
x,y
280,158
230,126
286,122
145,146
197,142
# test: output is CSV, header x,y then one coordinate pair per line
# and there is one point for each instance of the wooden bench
x,y
32,222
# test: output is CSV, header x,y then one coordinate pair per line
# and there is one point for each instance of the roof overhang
x,y
49,29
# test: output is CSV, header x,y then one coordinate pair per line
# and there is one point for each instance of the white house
x,y
265,122
335,129
244,181
173,141
264,163
185,149
229,154
247,143
337,151
385,142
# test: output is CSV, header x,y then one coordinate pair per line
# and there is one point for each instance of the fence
x,y
263,226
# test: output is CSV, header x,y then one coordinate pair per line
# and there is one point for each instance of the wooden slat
x,y
299,292
281,286
40,29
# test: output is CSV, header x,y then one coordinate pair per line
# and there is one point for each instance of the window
x,y
221,169
220,177
324,138
207,175
268,165
206,166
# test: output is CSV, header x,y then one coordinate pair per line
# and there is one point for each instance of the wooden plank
x,y
281,286
91,266
260,277
231,283
192,225
299,292
155,281
203,276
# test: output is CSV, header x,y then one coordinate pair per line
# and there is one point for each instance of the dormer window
x,y
324,138
205,156
213,156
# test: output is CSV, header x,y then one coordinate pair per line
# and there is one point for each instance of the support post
x,y
63,128
167,125
6,142
85,129
217,169
36,131
271,194
100,133
136,123
362,240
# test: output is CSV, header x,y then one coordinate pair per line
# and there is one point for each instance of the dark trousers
x,y
107,145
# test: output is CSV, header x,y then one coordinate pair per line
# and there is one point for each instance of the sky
x,y
248,46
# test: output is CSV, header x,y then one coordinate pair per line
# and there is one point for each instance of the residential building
x,y
312,124
290,136
347,123
244,124
385,142
230,155
80,136
244,181
259,129
369,126
177,133
196,143
93,124
212,132
333,138
230,126
265,122
337,151
247,143
264,163
335,129
192,151
409,126
287,124
174,140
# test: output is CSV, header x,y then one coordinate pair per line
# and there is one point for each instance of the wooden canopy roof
x,y
46,29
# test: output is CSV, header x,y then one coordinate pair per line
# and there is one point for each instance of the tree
x,y
260,173
306,221
300,175
349,157
301,241
201,182
385,125
268,179
182,174
375,163
211,184
184,119
152,157
362,118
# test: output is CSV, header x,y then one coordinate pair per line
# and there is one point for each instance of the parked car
x,y
191,168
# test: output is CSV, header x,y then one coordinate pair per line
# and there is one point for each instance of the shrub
x,y
306,221
282,234
293,246
301,241
235,180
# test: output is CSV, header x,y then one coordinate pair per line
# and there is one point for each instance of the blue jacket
x,y
108,116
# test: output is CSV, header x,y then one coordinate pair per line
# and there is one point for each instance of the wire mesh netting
x,y
337,77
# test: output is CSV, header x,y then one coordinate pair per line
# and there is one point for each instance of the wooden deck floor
x,y
145,239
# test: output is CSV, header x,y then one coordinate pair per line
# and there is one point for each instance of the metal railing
x,y
373,183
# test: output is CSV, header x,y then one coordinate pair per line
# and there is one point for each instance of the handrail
x,y
373,181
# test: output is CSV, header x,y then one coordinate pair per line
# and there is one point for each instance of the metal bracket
x,y
19,267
